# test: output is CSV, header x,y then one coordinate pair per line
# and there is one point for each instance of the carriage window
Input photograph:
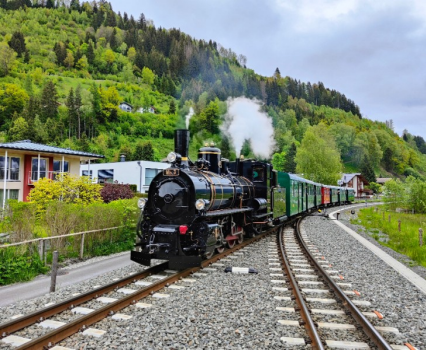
x,y
258,174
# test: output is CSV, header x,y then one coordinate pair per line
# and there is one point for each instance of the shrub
x,y
113,192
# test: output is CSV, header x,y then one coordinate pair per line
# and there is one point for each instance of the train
x,y
195,209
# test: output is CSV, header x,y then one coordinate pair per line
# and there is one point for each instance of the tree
x,y
19,130
72,115
367,170
172,107
317,157
290,163
17,43
7,59
278,161
69,60
144,151
12,100
49,101
148,76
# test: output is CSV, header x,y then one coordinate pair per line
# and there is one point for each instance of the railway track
x,y
312,281
10,332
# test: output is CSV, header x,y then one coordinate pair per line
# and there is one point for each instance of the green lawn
x,y
384,227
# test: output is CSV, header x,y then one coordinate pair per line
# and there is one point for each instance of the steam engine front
x,y
194,209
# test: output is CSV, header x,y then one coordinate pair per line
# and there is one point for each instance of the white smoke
x,y
245,121
188,116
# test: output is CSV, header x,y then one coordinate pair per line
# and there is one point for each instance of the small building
x,y
26,162
150,109
139,173
382,180
127,107
358,182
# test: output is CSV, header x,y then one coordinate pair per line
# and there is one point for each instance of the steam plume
x,y
244,120
188,116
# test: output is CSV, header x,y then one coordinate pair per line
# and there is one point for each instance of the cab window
x,y
258,174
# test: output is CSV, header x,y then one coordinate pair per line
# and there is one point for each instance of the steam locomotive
x,y
196,209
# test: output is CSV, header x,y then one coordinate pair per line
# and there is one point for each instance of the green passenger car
x,y
351,195
297,191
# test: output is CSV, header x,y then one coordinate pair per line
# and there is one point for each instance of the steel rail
x,y
367,327
83,322
40,315
308,322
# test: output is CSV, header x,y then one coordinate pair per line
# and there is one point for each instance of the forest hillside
x,y
65,68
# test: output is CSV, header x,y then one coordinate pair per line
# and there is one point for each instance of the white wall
x,y
126,172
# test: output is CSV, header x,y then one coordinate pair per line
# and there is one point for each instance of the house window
x,y
150,174
57,164
106,176
87,173
10,194
13,164
35,166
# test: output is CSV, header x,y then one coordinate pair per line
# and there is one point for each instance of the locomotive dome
x,y
213,156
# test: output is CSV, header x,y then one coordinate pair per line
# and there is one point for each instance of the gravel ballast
x,y
238,311
402,304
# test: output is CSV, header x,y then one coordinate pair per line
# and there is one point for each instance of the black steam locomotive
x,y
195,209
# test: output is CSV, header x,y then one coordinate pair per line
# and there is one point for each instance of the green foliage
x,y
16,266
66,188
405,241
317,157
410,195
278,161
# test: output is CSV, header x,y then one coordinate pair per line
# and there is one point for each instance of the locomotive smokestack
x,y
182,144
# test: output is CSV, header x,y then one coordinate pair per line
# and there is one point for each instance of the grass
x,y
386,231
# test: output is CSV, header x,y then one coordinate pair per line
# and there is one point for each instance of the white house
x,y
356,181
139,173
127,107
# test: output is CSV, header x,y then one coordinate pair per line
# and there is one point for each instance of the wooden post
x,y
389,217
420,237
41,249
54,271
399,225
82,246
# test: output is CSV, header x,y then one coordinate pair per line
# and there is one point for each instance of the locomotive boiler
x,y
195,209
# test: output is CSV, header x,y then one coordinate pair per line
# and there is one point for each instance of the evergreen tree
x,y
71,112
290,163
142,22
90,54
50,4
78,103
49,102
113,40
75,5
144,151
367,170
172,107
110,20
17,43
60,52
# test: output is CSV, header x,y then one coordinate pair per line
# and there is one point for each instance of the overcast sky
x,y
373,51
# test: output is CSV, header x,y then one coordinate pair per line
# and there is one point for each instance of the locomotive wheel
x,y
209,255
231,243
240,238
220,249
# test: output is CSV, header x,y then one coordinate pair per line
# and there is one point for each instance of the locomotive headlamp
x,y
171,157
200,204
141,203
